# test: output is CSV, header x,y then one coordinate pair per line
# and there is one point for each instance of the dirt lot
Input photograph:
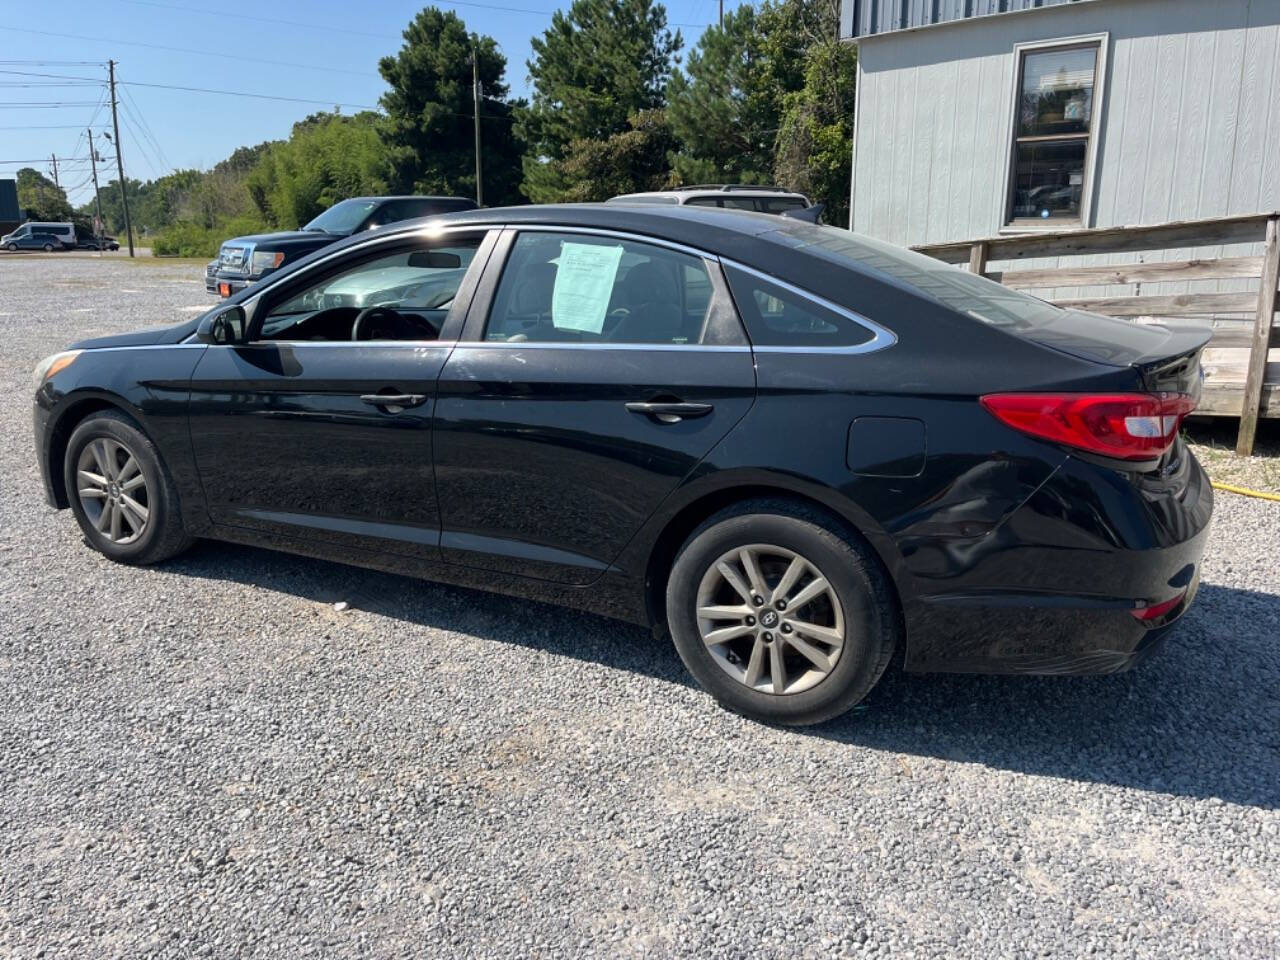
x,y
206,759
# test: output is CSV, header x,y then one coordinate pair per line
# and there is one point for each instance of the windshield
x,y
342,217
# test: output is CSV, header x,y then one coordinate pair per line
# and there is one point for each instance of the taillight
x,y
1157,610
1127,426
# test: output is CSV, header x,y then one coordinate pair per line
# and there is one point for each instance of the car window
x,y
772,205
577,288
401,296
779,317
703,202
741,203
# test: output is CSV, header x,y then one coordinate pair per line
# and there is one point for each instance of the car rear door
x,y
595,371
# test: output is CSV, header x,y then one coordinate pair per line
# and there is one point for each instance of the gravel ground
x,y
206,759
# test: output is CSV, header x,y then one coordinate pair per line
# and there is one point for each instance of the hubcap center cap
x,y
769,619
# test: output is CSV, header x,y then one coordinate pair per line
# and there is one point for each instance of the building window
x,y
1054,111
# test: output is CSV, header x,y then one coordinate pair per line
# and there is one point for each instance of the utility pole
x,y
475,110
721,14
53,157
115,125
97,197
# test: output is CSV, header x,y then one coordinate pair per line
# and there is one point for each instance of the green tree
x,y
814,151
429,120
112,208
623,163
321,163
40,197
592,69
726,107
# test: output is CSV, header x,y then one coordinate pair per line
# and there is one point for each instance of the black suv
x,y
242,260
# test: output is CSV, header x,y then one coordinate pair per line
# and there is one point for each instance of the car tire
x,y
48,248
825,655
12,248
127,519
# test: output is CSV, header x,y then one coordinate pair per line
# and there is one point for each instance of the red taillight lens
x,y
1157,610
1127,426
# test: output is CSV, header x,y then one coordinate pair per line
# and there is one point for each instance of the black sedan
x,y
796,450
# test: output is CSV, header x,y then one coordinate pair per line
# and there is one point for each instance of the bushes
x,y
187,239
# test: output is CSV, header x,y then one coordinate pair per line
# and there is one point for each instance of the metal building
x,y
976,117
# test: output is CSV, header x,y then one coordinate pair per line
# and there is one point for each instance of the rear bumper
x,y
1058,585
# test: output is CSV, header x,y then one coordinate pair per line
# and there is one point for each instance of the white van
x,y
31,233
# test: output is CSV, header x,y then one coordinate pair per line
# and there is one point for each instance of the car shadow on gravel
x,y
1200,719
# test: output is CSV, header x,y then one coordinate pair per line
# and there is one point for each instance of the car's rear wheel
x,y
780,613
48,248
120,492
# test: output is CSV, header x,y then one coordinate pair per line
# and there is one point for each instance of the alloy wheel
x,y
113,490
770,619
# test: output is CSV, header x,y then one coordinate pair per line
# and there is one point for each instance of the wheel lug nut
x,y
786,628
768,637
758,601
781,604
751,621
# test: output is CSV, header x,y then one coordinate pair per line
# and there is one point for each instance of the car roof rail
x,y
730,187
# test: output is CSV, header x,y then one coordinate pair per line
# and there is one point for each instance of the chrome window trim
x,y
572,345
881,337
616,234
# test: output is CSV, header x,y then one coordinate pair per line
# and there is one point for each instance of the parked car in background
x,y
41,236
729,196
797,450
243,260
94,243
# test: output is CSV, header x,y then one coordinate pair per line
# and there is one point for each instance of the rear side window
x,y
578,288
777,316
741,203
703,202
778,206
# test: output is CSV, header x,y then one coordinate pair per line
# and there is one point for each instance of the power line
x,y
316,26
19,104
240,93
191,50
131,105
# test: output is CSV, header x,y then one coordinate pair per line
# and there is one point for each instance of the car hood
x,y
286,238
141,338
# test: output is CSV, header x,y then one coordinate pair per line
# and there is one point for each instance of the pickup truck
x,y
242,260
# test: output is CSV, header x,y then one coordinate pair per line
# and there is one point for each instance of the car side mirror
x,y
223,327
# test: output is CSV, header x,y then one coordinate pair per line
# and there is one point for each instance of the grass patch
x,y
1213,441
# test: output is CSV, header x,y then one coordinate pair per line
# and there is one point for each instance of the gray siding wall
x,y
864,18
1189,125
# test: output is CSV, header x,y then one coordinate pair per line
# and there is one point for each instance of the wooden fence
x,y
1249,389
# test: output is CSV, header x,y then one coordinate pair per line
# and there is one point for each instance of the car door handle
x,y
672,411
394,399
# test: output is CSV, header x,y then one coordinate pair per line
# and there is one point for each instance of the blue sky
x,y
327,52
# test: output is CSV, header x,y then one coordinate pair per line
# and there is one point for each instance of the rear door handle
x,y
394,399
670,412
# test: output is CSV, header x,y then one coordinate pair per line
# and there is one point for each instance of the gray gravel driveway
x,y
206,759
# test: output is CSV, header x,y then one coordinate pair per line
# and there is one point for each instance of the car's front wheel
x,y
12,247
120,492
781,614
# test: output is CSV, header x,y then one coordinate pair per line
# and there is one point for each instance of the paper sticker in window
x,y
584,285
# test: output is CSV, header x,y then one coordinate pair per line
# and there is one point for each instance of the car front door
x,y
319,427
595,371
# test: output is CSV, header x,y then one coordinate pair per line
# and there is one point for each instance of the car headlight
x,y
50,365
266,260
